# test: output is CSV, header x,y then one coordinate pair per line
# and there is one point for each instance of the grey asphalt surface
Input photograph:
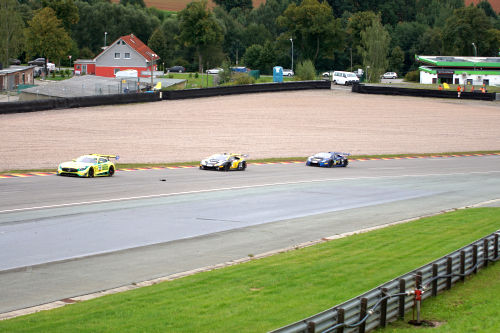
x,y
63,237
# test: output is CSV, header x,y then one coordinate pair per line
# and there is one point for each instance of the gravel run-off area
x,y
265,125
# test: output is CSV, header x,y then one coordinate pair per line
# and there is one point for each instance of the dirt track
x,y
262,125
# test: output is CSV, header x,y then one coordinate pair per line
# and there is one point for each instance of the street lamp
x,y
291,40
475,50
351,57
105,34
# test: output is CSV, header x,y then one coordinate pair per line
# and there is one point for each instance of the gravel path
x,y
262,125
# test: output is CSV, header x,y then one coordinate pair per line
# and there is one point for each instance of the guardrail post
x,y
311,327
340,320
402,298
495,250
418,280
462,265
434,281
383,309
474,258
449,265
485,252
362,314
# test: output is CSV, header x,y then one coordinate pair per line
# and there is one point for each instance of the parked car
x,y
177,69
214,70
339,77
390,75
37,62
14,61
288,72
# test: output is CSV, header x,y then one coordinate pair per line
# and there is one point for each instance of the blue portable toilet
x,y
277,74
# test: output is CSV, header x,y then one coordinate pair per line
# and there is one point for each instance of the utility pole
x,y
291,40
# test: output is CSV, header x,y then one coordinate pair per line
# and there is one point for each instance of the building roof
x,y
136,44
140,47
14,69
458,61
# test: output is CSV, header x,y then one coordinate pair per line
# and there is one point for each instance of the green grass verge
x,y
469,307
275,291
262,160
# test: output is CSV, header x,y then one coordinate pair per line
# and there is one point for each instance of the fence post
x,y
362,314
474,258
434,281
462,265
495,251
311,327
383,309
485,252
340,320
418,280
402,298
449,266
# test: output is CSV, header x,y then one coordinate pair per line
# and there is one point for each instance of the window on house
x,y
127,56
117,55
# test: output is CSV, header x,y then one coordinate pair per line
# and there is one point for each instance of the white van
x,y
345,78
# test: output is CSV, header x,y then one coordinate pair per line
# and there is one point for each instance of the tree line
x,y
332,34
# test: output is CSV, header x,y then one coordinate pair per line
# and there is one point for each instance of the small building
x,y
459,70
84,66
14,76
125,53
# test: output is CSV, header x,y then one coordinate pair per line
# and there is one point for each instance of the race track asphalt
x,y
62,237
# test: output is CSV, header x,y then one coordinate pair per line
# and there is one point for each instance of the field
x,y
268,293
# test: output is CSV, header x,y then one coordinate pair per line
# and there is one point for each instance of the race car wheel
x,y
90,173
111,171
346,162
227,167
330,164
242,166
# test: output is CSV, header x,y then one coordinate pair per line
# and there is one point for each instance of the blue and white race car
x,y
329,160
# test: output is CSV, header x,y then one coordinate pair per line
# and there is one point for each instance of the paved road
x,y
63,237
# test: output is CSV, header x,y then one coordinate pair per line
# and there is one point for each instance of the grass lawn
x,y
470,307
275,291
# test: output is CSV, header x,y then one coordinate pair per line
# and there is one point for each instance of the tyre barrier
x,y
76,102
244,89
383,90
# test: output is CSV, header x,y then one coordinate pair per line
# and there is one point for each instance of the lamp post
x,y
291,40
105,34
475,54
350,49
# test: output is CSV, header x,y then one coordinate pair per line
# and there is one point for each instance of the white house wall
x,y
494,80
107,58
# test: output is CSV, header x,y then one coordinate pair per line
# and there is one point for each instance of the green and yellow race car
x,y
225,162
92,165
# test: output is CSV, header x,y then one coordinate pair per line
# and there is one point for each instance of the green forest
x,y
333,34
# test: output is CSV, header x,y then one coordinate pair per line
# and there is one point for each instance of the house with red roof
x,y
125,53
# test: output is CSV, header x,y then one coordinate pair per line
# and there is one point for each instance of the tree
x,y
46,37
374,49
466,26
251,58
11,27
396,60
200,29
357,23
305,70
230,4
138,3
313,28
158,43
65,10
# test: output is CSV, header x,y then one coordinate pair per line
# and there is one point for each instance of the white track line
x,y
235,188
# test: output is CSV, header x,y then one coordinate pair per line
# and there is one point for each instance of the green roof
x,y
445,61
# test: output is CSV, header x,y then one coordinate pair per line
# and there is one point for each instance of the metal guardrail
x,y
390,301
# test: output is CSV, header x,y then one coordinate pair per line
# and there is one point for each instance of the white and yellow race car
x,y
225,162
92,165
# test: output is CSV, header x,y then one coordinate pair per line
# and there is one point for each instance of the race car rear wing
x,y
116,157
342,154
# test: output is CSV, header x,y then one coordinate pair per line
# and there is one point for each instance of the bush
x,y
196,75
243,79
67,72
305,71
413,76
170,76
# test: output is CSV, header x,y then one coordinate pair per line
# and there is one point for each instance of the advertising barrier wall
x,y
76,102
383,90
245,89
